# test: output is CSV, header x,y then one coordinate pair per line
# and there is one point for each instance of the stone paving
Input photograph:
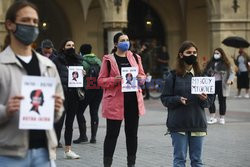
x,y
225,146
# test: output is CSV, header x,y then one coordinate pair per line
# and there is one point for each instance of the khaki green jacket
x,y
13,141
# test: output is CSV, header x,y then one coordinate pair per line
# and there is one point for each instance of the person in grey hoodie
x,y
186,119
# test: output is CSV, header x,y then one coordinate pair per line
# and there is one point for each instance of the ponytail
x,y
114,50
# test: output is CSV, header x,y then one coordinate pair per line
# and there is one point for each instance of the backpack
x,y
93,71
92,76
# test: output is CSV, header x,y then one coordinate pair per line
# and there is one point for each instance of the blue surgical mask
x,y
26,34
123,46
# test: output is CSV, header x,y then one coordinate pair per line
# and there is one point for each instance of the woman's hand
x,y
183,100
13,105
58,103
118,78
230,82
84,72
203,96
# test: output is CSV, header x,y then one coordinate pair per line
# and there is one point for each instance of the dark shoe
x,y
107,161
92,140
80,140
94,127
59,145
131,161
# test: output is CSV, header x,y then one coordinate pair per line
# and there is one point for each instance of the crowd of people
x,y
33,147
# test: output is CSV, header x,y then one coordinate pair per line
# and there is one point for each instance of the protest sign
x,y
37,107
75,76
203,85
130,82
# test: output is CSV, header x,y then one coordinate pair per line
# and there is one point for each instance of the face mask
x,y
123,46
70,52
190,59
217,56
26,34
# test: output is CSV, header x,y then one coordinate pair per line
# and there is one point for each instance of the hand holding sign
x,y
13,105
203,96
183,100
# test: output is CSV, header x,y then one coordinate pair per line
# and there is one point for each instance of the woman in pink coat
x,y
118,105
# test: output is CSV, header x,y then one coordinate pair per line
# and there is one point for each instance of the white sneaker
x,y
246,96
71,155
222,121
212,120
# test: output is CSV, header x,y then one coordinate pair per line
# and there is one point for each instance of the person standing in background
x,y
93,94
220,68
68,57
243,67
117,105
47,49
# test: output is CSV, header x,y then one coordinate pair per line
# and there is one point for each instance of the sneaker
x,y
222,121
71,155
212,120
246,96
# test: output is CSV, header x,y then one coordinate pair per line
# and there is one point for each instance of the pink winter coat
x,y
113,98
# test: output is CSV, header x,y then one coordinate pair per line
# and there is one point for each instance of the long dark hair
x,y
224,57
11,15
115,40
180,65
63,43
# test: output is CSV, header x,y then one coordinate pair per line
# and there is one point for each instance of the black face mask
x,y
190,60
70,52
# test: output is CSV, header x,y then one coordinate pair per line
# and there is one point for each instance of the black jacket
x,y
184,118
62,62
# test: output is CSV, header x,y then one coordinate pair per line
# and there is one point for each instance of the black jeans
x,y
92,99
222,99
131,129
71,108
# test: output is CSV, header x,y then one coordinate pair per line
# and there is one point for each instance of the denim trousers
x,y
34,158
181,144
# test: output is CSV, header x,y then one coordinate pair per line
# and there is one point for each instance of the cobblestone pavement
x,y
225,146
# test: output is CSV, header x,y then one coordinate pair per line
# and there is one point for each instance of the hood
x,y
91,59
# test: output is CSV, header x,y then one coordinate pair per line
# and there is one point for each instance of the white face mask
x,y
217,56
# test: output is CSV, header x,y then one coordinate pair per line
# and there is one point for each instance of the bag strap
x,y
136,58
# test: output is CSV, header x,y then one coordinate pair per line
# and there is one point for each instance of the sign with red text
x,y
75,76
201,85
37,107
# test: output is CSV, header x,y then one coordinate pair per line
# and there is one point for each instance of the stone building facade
x,y
206,22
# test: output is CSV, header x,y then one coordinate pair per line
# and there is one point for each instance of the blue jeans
x,y
34,158
181,143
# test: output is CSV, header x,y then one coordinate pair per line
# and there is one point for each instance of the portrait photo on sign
x,y
129,82
37,99
75,75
